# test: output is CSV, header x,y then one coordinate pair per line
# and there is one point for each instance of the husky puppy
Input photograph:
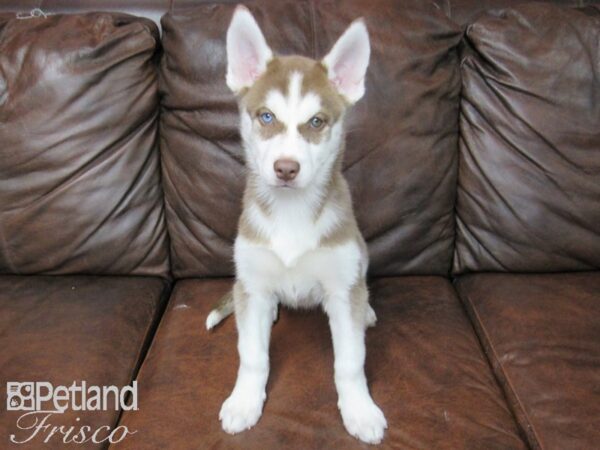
x,y
298,242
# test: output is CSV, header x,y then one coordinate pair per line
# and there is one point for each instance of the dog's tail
x,y
222,309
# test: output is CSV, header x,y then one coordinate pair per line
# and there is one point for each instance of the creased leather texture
x,y
424,365
542,333
465,12
460,11
79,165
152,9
72,328
529,171
402,137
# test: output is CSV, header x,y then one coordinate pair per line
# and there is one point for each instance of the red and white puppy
x,y
298,242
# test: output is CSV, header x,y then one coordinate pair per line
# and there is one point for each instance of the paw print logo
x,y
19,396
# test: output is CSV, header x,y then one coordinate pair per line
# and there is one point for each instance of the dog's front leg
x,y
254,317
361,416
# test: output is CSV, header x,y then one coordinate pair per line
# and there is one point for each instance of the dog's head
x,y
292,107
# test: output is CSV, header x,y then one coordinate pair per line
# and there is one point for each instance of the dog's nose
x,y
286,169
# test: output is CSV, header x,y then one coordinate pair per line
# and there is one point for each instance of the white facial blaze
x,y
295,109
292,110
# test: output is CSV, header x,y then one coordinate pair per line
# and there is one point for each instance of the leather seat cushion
x,y
542,333
76,328
425,368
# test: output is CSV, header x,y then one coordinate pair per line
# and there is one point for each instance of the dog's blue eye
x,y
316,122
266,118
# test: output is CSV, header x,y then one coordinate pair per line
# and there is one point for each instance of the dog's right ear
x,y
247,51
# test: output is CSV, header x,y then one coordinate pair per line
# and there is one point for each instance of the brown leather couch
x,y
474,162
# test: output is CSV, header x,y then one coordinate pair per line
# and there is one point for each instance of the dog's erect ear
x,y
247,50
348,60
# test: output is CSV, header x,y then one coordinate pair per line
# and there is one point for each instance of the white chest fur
x,y
292,227
291,264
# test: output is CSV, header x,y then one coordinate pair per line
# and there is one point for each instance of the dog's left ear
x,y
247,51
348,60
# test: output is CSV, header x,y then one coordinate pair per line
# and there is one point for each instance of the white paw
x,y
241,411
363,419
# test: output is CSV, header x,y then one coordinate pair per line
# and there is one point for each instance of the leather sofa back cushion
x,y
401,150
461,11
529,171
79,171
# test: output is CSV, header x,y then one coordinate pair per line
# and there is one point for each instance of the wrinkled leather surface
x,y
79,172
529,178
151,9
461,11
542,333
466,11
424,365
65,329
401,146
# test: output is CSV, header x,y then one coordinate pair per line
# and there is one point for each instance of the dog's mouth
x,y
285,184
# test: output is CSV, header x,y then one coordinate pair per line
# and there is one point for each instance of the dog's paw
x,y
363,419
241,411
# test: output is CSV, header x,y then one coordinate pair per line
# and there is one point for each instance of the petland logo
x,y
41,401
